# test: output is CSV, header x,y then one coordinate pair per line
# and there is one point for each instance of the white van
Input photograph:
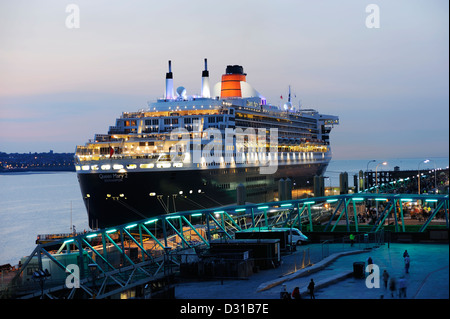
x,y
296,237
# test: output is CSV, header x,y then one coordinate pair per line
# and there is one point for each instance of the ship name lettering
x,y
113,176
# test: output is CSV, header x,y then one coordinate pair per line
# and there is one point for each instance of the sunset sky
x,y
388,85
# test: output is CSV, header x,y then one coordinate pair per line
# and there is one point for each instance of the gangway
x,y
109,261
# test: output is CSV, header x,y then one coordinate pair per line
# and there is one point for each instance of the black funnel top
x,y
169,75
235,69
205,72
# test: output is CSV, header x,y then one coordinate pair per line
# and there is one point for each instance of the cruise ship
x,y
225,146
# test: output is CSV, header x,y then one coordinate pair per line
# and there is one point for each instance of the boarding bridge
x,y
106,262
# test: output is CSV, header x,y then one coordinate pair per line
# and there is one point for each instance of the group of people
x,y
399,284
369,216
389,282
296,292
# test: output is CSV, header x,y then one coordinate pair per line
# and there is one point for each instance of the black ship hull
x,y
116,198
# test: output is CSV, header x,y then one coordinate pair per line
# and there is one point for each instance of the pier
x,y
111,262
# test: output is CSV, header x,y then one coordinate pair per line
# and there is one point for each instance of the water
x,y
40,203
37,203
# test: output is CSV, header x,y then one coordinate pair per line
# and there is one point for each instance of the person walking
x,y
405,254
311,289
407,263
284,294
385,278
392,286
296,293
402,287
352,240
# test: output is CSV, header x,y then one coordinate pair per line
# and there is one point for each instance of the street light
x,y
376,177
367,174
41,276
435,180
376,181
418,173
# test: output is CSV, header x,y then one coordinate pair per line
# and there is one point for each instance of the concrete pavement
x,y
428,276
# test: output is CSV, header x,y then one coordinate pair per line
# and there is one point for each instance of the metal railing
x,y
365,241
128,254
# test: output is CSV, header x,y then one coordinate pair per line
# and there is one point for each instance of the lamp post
x,y
367,174
376,177
418,174
41,276
376,181
435,180
418,177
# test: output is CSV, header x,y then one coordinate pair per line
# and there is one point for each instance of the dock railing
x,y
365,241
314,253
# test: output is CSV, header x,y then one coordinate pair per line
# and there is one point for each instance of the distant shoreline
x,y
36,162
39,170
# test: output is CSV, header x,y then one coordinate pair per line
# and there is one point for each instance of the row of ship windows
x,y
107,167
186,120
166,164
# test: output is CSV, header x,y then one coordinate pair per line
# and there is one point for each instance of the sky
x,y
389,84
